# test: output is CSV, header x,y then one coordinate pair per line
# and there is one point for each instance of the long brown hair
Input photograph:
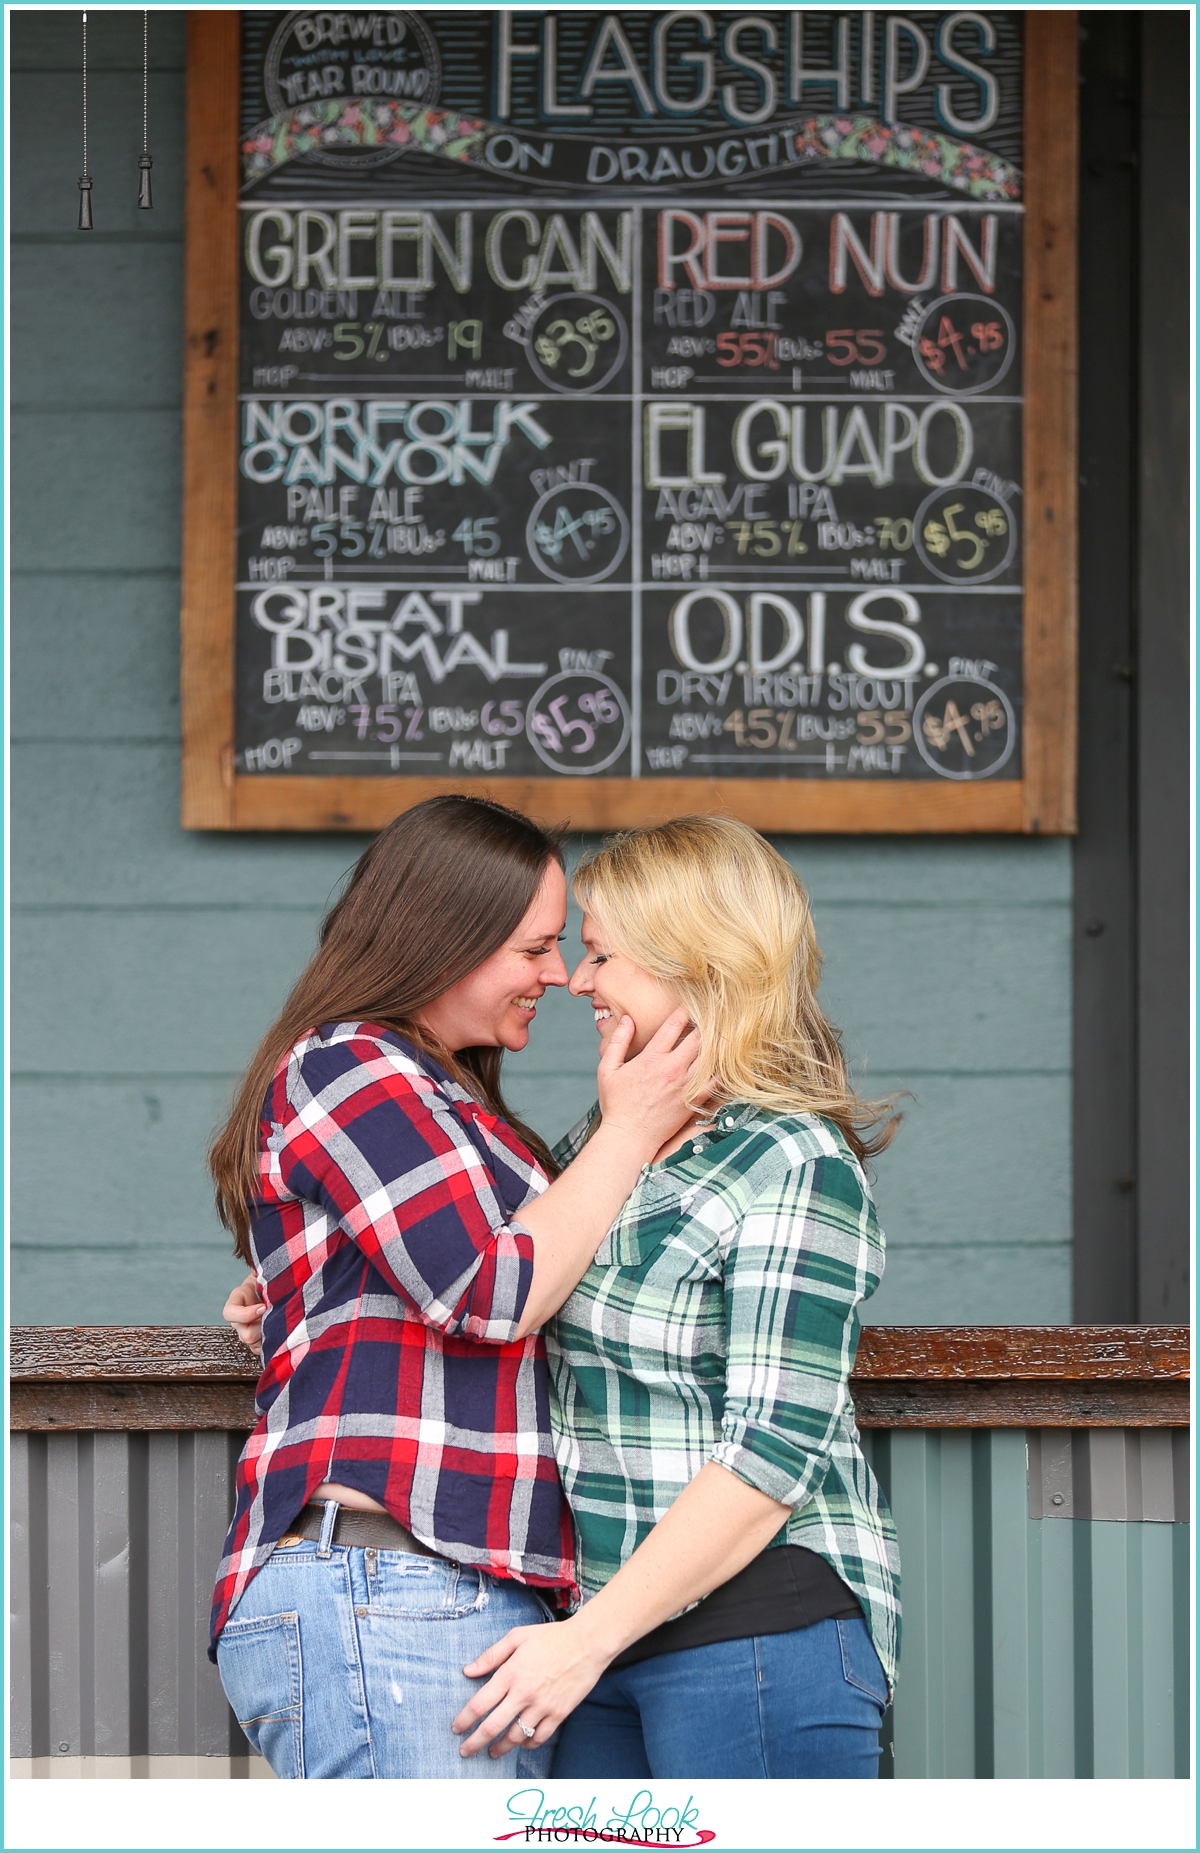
x,y
435,895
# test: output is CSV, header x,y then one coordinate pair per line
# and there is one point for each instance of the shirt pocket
x,y
658,1231
642,1225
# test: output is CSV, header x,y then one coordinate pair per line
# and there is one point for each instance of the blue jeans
x,y
349,1663
806,1704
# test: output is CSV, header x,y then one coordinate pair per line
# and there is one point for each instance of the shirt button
x,y
698,1147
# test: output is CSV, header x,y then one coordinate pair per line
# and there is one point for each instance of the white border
x,y
946,1814
1052,1814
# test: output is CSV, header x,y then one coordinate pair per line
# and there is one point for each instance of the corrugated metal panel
x,y
140,1769
1034,1649
115,1540
1030,1648
1111,1474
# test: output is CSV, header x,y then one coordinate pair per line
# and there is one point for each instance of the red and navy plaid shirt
x,y
394,1275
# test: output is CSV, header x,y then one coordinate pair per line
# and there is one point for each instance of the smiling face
x,y
616,986
493,1006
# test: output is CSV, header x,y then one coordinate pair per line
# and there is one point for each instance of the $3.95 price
x,y
560,338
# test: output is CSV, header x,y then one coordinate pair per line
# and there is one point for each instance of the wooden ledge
x,y
1071,1353
922,1353
105,1377
128,1353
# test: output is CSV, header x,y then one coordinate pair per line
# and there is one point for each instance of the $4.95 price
x,y
988,715
988,338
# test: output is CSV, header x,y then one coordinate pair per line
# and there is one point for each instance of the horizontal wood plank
x,y
800,805
125,1353
922,1353
200,1377
186,1407
1018,1402
1107,1353
41,1407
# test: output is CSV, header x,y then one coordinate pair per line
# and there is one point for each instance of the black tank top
x,y
778,1591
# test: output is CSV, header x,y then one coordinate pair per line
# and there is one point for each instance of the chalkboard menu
x,y
626,412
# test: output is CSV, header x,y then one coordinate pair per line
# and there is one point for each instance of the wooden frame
x,y
914,1376
215,797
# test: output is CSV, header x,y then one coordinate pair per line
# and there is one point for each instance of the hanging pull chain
x,y
144,161
85,179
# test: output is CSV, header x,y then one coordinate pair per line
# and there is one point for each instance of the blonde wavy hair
x,y
708,907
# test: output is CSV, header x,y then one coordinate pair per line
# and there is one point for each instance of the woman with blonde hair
x,y
738,1562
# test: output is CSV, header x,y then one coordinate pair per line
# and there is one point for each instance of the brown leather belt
x,y
376,1531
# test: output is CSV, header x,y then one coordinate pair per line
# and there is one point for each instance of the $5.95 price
x,y
559,730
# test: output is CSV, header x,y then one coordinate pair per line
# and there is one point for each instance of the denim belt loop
x,y
325,1546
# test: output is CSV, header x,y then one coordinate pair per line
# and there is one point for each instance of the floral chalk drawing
x,y
361,122
369,122
914,151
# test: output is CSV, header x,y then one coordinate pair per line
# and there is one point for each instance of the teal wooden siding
x,y
146,960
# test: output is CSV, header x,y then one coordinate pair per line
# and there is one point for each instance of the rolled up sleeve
x,y
800,1262
398,1171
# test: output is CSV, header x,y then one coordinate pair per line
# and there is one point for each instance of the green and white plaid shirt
x,y
719,1321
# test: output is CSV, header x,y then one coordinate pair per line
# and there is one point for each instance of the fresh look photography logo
x,y
642,1821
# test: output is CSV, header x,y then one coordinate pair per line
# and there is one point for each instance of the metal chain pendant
x,y
85,179
145,163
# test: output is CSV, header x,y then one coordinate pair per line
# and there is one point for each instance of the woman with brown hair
x,y
398,1507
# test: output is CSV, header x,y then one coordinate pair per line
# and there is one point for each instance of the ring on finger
x,y
529,1730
